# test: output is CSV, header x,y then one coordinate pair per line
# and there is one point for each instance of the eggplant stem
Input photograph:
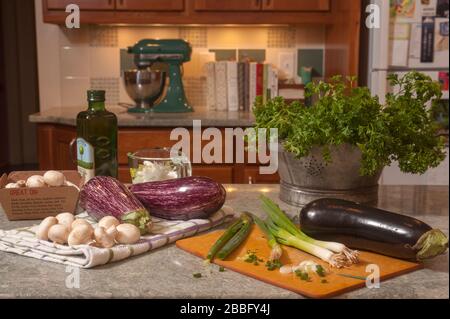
x,y
432,243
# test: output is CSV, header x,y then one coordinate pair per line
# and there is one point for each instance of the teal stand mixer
x,y
148,84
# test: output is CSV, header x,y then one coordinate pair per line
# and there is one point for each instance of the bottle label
x,y
85,159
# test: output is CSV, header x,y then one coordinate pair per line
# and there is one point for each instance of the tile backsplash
x,y
95,56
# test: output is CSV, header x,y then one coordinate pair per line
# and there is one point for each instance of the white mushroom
x,y
102,237
12,185
44,226
35,181
54,178
66,219
81,235
127,234
112,231
78,222
21,183
58,234
108,221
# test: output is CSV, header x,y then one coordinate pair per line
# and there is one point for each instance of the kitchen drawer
x,y
83,4
229,5
252,175
150,5
295,5
133,140
220,173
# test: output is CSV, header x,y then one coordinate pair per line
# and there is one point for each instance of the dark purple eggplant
x,y
369,228
181,198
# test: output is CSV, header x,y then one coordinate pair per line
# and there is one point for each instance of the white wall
x,y
47,38
70,61
434,176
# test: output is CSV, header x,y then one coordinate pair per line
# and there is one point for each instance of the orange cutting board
x,y
336,284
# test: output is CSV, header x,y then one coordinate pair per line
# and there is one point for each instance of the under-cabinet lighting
x,y
192,25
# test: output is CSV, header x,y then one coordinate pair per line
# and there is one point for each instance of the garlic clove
x,y
286,269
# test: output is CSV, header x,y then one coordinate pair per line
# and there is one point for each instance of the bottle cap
x,y
96,95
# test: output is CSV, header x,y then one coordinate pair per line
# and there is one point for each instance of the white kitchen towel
x,y
23,241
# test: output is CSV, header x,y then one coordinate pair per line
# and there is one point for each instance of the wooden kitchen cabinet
x,y
150,5
253,176
229,5
295,5
54,153
264,5
83,4
340,18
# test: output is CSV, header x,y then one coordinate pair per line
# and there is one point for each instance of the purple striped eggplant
x,y
105,196
181,198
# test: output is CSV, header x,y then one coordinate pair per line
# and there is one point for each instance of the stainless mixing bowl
x,y
144,87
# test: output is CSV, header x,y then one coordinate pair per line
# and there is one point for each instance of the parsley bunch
x,y
402,130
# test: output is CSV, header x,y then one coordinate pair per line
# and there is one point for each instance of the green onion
x,y
303,275
320,271
286,238
252,258
279,218
276,252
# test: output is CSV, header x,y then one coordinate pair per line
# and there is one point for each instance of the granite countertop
x,y
167,272
67,116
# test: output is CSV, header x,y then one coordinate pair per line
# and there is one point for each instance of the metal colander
x,y
311,177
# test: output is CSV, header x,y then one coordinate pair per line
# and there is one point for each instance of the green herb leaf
x,y
252,258
402,130
197,275
303,275
221,269
320,271
273,264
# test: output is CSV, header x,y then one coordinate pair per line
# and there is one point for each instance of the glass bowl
x,y
158,164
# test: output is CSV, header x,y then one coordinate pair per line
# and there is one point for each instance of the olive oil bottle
x,y
96,138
